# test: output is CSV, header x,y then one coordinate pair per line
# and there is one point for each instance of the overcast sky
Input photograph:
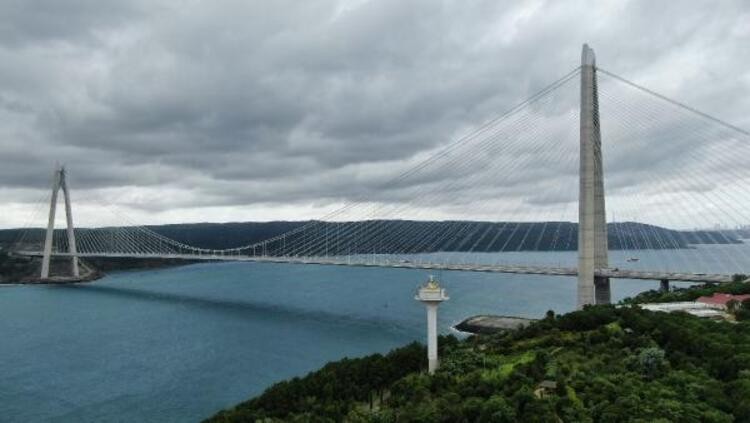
x,y
260,110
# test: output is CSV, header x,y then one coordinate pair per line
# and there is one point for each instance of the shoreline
x,y
93,270
56,280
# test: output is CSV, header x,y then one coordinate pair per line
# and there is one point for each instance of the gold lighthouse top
x,y
431,292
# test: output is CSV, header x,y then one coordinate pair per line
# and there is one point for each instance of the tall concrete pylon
x,y
58,183
592,224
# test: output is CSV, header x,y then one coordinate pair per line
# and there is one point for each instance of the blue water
x,y
180,344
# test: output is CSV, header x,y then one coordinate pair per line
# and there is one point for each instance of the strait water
x,y
180,344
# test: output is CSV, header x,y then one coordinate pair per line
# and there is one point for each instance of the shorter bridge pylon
x,y
58,183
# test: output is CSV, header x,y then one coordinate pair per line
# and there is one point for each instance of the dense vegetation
x,y
15,268
333,390
608,364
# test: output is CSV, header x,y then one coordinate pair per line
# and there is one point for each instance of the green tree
x,y
651,362
497,410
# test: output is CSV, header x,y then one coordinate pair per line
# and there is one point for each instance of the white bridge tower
x,y
58,183
592,224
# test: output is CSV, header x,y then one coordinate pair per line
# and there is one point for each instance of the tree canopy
x,y
608,364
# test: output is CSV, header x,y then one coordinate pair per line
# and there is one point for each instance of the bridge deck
x,y
405,264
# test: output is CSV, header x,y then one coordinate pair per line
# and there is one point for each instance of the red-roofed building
x,y
719,300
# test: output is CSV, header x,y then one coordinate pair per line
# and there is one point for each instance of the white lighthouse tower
x,y
431,294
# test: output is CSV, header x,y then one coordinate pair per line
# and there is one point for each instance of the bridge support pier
x,y
664,285
57,184
602,293
592,225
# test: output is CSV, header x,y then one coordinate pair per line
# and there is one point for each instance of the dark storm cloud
x,y
236,102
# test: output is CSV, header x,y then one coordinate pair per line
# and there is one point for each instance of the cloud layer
x,y
235,110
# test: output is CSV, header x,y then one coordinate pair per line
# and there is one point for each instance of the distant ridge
x,y
476,236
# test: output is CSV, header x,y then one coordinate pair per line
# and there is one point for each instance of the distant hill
x,y
422,236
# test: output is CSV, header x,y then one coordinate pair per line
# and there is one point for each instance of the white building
x,y
690,307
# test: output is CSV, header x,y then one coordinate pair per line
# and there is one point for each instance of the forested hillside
x,y
602,364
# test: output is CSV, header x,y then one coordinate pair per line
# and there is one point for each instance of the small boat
x,y
633,259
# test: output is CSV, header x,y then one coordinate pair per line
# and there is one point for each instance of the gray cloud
x,y
240,104
33,22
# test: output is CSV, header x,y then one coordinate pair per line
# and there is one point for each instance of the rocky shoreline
x,y
16,270
88,274
485,323
58,280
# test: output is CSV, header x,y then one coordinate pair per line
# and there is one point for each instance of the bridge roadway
x,y
406,264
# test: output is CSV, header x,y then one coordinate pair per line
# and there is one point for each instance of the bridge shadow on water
x,y
243,309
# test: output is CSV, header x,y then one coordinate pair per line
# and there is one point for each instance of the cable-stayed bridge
x,y
533,179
